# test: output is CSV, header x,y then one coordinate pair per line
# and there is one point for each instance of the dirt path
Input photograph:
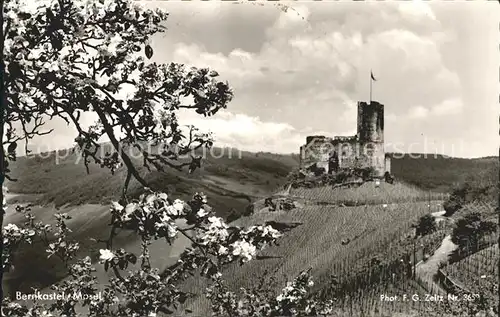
x,y
426,271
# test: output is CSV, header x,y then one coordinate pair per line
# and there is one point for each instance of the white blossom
x,y
11,15
35,53
216,231
129,210
201,213
4,204
8,44
171,210
171,230
11,227
116,206
178,206
106,255
163,196
52,66
103,80
110,5
114,42
135,75
222,250
150,199
244,249
64,52
216,222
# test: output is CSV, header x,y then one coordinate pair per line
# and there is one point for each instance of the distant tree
x,y
469,192
65,58
457,199
388,178
461,191
452,205
470,230
426,225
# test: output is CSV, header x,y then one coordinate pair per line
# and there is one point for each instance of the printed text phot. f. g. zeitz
x,y
172,158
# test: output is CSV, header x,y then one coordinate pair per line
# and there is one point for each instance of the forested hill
x,y
439,173
229,176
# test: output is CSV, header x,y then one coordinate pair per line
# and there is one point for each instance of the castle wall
x,y
373,155
316,150
364,150
348,151
387,164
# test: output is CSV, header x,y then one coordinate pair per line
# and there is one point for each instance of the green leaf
x,y
132,258
50,14
149,51
24,15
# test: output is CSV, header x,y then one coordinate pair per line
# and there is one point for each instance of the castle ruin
x,y
363,150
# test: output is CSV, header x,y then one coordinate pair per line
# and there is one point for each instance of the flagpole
x,y
371,86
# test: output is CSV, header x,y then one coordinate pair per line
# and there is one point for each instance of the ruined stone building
x,y
363,150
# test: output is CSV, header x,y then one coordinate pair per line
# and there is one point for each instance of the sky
x,y
299,68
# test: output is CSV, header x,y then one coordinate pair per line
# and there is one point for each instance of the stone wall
x,y
387,163
316,150
373,155
347,149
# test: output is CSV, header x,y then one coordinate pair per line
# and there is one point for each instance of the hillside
x,y
376,221
231,180
60,183
478,272
378,229
439,173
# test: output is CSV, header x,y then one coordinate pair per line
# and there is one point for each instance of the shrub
x,y
426,225
451,206
470,230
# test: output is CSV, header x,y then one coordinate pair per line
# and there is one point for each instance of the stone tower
x,y
370,135
363,150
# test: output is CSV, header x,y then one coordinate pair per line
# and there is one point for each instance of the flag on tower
x,y
372,79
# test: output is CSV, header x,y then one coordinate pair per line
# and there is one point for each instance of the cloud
x,y
62,137
307,59
301,70
448,107
417,9
418,112
249,133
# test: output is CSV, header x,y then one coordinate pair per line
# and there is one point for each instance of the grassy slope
x,y
374,230
478,272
